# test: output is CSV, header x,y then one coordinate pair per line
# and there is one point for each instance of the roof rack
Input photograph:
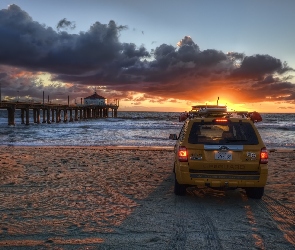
x,y
208,110
218,111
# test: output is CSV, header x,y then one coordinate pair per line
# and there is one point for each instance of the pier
x,y
48,113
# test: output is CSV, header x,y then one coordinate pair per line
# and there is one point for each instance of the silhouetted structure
x,y
53,112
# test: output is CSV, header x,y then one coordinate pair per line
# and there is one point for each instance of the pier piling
x,y
80,112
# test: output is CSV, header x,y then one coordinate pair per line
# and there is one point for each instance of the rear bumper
x,y
234,180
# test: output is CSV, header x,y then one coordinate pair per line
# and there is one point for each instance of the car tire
x,y
255,193
179,189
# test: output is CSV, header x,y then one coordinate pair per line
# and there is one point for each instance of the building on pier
x,y
95,99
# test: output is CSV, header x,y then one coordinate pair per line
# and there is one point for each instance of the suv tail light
x,y
182,154
263,156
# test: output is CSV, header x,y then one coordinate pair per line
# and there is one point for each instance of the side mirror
x,y
173,137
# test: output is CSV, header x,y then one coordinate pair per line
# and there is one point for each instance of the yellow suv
x,y
220,151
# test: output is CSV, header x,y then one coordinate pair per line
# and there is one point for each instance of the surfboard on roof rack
x,y
208,110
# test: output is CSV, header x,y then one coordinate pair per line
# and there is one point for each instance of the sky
x,y
150,55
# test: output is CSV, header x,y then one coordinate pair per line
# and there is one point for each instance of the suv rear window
x,y
231,133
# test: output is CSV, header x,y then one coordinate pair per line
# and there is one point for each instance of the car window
x,y
231,133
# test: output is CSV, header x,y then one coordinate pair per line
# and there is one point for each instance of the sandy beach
x,y
122,198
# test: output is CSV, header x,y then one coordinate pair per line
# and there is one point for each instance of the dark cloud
x,y
210,57
188,41
257,66
65,24
268,79
96,57
3,75
33,46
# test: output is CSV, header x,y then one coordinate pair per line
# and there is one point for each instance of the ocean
x,y
129,129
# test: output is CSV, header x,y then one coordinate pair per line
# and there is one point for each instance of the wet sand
x,y
122,198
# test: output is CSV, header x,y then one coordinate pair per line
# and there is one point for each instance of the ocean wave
x,y
290,127
129,129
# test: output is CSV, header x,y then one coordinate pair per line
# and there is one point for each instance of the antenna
x,y
94,89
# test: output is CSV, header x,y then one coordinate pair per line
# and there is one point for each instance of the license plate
x,y
226,156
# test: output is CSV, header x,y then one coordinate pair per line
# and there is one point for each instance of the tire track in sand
x,y
192,226
282,215
212,239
